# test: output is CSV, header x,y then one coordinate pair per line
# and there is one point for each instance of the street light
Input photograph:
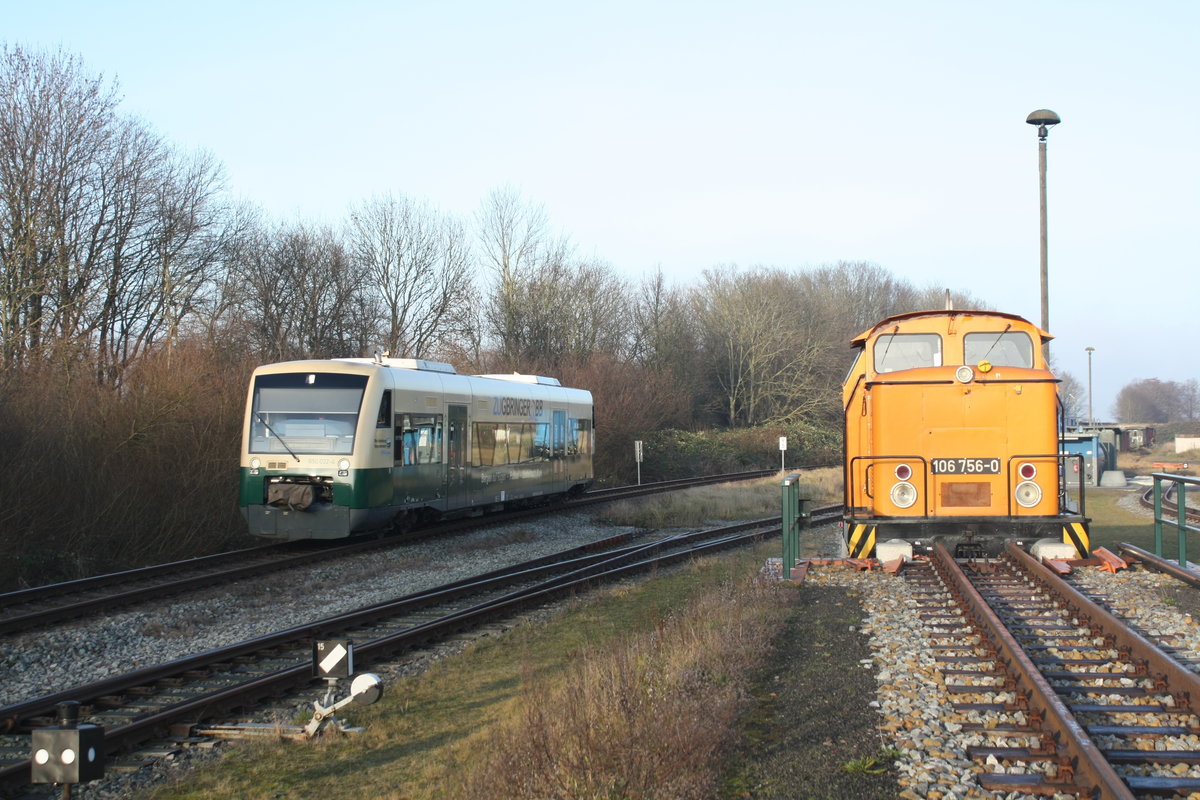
x,y
1045,119
1091,419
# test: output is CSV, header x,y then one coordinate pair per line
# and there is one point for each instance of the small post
x,y
1181,516
782,452
637,456
794,516
1158,542
788,514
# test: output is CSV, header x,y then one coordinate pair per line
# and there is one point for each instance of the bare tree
x,y
300,295
418,262
518,249
55,125
108,238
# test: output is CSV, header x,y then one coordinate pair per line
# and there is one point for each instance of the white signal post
x,y
782,451
637,456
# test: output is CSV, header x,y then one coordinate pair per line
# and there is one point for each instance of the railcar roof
x,y
861,339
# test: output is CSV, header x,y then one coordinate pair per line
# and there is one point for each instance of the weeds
x,y
720,502
867,765
644,717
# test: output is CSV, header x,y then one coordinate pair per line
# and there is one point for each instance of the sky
x,y
686,136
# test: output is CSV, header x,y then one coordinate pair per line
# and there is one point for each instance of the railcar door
x,y
457,494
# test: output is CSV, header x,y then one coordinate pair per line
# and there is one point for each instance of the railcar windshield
x,y
1002,349
897,351
305,412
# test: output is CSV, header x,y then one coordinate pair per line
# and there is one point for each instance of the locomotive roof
x,y
861,339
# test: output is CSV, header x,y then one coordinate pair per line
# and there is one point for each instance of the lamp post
x,y
1091,419
1045,119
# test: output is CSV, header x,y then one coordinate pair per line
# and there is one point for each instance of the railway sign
x,y
333,658
67,753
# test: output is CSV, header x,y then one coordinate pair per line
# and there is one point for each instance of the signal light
x,y
903,472
1027,471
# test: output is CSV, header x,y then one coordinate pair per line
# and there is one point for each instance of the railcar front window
x,y
897,351
305,412
1001,349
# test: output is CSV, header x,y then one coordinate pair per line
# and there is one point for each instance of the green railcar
x,y
334,448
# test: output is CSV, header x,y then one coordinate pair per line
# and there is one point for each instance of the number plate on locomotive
x,y
966,466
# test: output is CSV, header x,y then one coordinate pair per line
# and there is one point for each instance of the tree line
x,y
136,295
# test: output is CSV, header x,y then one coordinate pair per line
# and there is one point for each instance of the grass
x,y
1111,523
1141,461
633,693
722,502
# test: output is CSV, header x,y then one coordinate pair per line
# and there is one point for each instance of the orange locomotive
x,y
952,434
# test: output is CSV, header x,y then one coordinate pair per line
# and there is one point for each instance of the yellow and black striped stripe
x,y
861,543
1076,535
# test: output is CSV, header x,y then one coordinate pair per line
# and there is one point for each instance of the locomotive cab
x,y
952,426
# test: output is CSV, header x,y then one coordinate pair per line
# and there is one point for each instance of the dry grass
x,y
645,717
723,502
1141,462
631,691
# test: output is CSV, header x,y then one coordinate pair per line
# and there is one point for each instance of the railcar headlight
x,y
964,374
343,467
255,463
904,494
1028,494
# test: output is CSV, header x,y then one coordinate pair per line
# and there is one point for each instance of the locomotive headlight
x,y
1028,494
255,463
964,374
904,494
343,467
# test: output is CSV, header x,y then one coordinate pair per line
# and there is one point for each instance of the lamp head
x,y
1045,119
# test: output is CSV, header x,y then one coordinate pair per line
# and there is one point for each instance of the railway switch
x,y
67,753
333,660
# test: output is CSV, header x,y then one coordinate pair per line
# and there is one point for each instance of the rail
x,y
1180,523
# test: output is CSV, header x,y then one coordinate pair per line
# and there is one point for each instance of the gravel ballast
x,y
852,677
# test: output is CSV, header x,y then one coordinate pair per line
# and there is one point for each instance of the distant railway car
x,y
346,446
952,425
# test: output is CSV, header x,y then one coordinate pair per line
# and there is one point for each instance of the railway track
x,y
1060,695
148,703
29,609
1169,506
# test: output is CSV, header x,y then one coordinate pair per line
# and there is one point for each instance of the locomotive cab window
x,y
418,439
1001,349
298,413
897,351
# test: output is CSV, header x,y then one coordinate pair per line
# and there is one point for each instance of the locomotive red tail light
x,y
903,472
1027,471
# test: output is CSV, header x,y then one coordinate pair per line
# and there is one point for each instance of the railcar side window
x,y
305,412
1002,349
418,439
560,433
498,443
897,351
579,440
